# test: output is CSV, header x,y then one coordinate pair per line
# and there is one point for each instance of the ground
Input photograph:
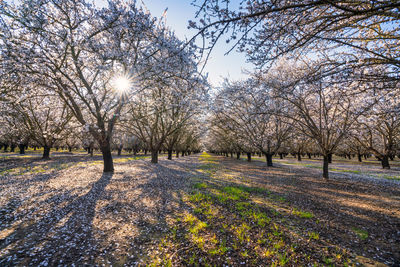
x,y
201,209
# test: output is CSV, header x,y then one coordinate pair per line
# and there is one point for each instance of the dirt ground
x,y
66,211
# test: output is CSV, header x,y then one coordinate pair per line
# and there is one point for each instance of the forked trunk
x,y
46,152
325,170
154,156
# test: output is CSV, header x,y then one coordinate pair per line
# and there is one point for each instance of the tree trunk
x,y
70,149
107,157
183,153
268,158
154,156
91,150
359,157
21,148
248,156
237,155
309,155
5,148
385,162
325,171
177,153
330,158
145,152
299,156
281,155
12,148
391,157
170,154
119,151
46,152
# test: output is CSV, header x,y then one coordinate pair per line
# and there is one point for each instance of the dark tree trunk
x,y
268,158
5,148
385,162
238,155
391,157
330,158
298,156
231,154
46,152
57,148
325,170
119,151
91,150
21,148
183,153
177,153
281,155
170,154
248,156
107,158
145,152
309,155
12,148
359,157
34,148
154,156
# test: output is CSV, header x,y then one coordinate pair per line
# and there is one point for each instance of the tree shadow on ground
x,y
95,227
62,236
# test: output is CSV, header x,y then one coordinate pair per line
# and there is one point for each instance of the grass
x,y
229,221
362,234
302,214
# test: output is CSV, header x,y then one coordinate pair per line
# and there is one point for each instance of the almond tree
x,y
378,131
174,95
76,50
249,110
43,117
320,108
266,30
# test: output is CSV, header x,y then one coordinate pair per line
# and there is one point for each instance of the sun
x,y
121,84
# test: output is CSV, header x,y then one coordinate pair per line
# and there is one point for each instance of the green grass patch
x,y
302,214
361,233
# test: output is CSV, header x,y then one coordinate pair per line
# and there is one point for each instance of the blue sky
x,y
219,66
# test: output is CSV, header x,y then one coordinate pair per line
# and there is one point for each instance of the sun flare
x,y
122,84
